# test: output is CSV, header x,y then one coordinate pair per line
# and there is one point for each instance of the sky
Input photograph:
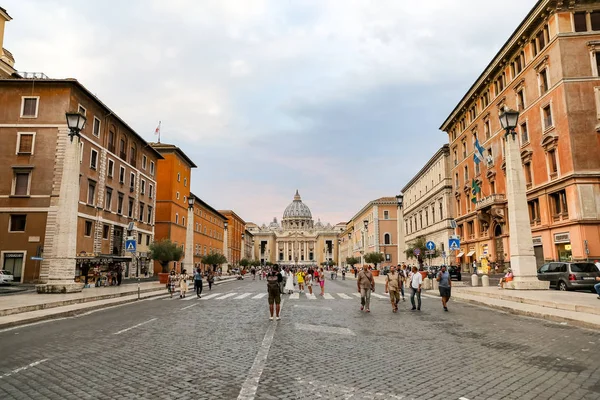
x,y
340,99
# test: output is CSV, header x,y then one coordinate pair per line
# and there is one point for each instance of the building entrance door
x,y
499,247
13,263
539,255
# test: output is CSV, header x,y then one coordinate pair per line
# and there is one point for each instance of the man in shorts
x,y
274,280
445,286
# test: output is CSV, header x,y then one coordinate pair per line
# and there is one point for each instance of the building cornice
x,y
426,200
443,152
206,205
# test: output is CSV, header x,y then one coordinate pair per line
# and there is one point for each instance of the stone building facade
x,y
427,205
236,227
549,71
209,230
7,61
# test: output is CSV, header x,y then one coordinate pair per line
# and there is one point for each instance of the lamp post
x,y
522,258
188,260
400,219
57,271
364,246
242,248
225,241
340,253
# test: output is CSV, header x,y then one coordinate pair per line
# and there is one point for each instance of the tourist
x,y
308,278
508,277
253,272
210,279
393,283
289,283
198,282
475,267
322,281
355,272
415,286
274,279
183,287
284,279
171,283
445,286
300,278
597,287
366,284
343,273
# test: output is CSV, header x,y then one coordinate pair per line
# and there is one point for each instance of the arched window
x,y
387,239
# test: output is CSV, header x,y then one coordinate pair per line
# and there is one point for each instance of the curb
x,y
92,307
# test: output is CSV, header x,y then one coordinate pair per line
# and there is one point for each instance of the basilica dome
x,y
297,209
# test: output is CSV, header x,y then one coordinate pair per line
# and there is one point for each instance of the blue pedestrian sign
x,y
130,246
417,252
454,244
430,245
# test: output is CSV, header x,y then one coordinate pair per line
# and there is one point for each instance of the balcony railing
x,y
490,200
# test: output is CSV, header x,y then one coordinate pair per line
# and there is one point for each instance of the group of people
x,y
303,277
181,281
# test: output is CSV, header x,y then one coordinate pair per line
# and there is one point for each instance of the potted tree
x,y
374,258
214,259
419,244
352,261
164,251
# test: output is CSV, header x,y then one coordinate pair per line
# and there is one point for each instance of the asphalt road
x,y
226,348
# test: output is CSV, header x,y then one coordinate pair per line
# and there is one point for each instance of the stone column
x,y
58,268
225,247
188,260
522,258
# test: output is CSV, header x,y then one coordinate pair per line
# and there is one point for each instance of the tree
x,y
373,258
244,262
254,263
164,251
214,259
351,261
419,243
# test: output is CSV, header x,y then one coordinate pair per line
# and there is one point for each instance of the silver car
x,y
5,276
569,275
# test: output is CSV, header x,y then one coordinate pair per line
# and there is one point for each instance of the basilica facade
x,y
298,240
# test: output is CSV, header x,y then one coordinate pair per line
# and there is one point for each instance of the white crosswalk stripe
x,y
328,296
344,296
356,294
294,296
226,296
250,295
242,296
210,296
378,295
311,296
259,296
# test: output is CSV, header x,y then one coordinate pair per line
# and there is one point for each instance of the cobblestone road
x,y
322,348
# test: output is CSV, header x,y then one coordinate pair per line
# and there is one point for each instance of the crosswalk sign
x,y
130,246
454,244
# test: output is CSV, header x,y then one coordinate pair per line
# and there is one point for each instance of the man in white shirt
x,y
415,286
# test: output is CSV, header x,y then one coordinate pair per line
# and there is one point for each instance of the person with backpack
x,y
198,282
274,280
393,283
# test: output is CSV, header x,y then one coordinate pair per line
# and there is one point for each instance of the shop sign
x,y
13,255
562,237
567,247
537,241
485,249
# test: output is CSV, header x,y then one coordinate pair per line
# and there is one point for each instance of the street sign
x,y
454,244
453,223
457,237
130,238
430,245
430,252
417,252
130,246
37,258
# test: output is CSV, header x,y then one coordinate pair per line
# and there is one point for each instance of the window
x,y
534,211
177,195
595,20
543,80
597,57
486,130
149,219
558,202
493,187
17,223
528,175
108,199
21,183
541,38
144,161
25,142
121,174
139,238
130,210
120,204
580,21
182,220
485,100
81,110
426,218
176,218
464,149
122,146
80,152
131,182
466,174
111,140
521,99
178,177
441,211
88,228
150,190
185,199
105,232
143,186
552,163
386,215
184,182
547,115
524,133
152,168
132,156
455,157
111,168
387,239
96,127
91,192
456,182
93,159
29,106
141,211
147,240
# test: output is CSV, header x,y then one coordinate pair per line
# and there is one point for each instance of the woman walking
x,y
198,282
289,283
300,277
172,282
308,279
183,286
322,281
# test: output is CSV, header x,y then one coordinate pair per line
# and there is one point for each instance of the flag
x,y
157,131
475,189
478,154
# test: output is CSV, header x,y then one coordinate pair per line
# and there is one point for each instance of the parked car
x,y
5,276
455,272
569,275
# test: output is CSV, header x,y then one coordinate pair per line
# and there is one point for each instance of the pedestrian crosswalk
x,y
191,296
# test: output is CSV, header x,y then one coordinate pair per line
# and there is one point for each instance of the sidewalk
x,y
574,308
30,307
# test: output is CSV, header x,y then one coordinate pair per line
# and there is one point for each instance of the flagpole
x,y
159,122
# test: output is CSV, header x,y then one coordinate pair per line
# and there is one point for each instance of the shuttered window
x,y
29,107
25,143
21,183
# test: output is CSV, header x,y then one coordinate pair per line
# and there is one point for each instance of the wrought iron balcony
x,y
491,200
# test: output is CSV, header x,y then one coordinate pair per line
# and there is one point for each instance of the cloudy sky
x,y
341,99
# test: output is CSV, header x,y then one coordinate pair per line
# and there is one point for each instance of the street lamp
x,y
522,258
191,201
366,223
400,219
75,122
242,248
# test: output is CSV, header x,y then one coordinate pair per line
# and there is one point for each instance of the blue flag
x,y
478,154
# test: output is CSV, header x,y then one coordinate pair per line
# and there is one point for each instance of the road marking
x,y
344,296
185,308
259,296
378,295
226,296
188,298
135,326
16,371
327,296
313,307
462,398
250,385
311,296
294,296
356,294
323,329
242,296
210,296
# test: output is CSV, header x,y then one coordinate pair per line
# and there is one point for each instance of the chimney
x,y
5,56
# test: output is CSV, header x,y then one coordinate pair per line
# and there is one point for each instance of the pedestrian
x,y
119,275
415,287
183,287
343,273
475,267
289,283
403,278
597,287
253,272
210,279
445,286
198,283
366,284
300,278
308,278
171,283
322,281
283,281
597,263
508,277
392,285
274,280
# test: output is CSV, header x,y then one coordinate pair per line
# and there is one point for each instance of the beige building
x,y
7,61
427,205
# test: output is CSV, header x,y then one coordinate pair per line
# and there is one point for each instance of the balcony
x,y
490,201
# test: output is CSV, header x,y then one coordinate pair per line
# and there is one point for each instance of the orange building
x,y
209,228
236,226
172,191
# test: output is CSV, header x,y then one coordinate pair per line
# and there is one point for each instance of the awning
x,y
469,254
460,254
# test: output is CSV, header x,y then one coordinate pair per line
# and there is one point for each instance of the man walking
x,y
274,280
198,282
392,285
445,286
415,286
366,284
403,275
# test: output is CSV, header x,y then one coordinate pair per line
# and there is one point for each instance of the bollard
x,y
426,284
474,280
436,284
485,281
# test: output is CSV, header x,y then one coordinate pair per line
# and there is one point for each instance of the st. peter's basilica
x,y
298,240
